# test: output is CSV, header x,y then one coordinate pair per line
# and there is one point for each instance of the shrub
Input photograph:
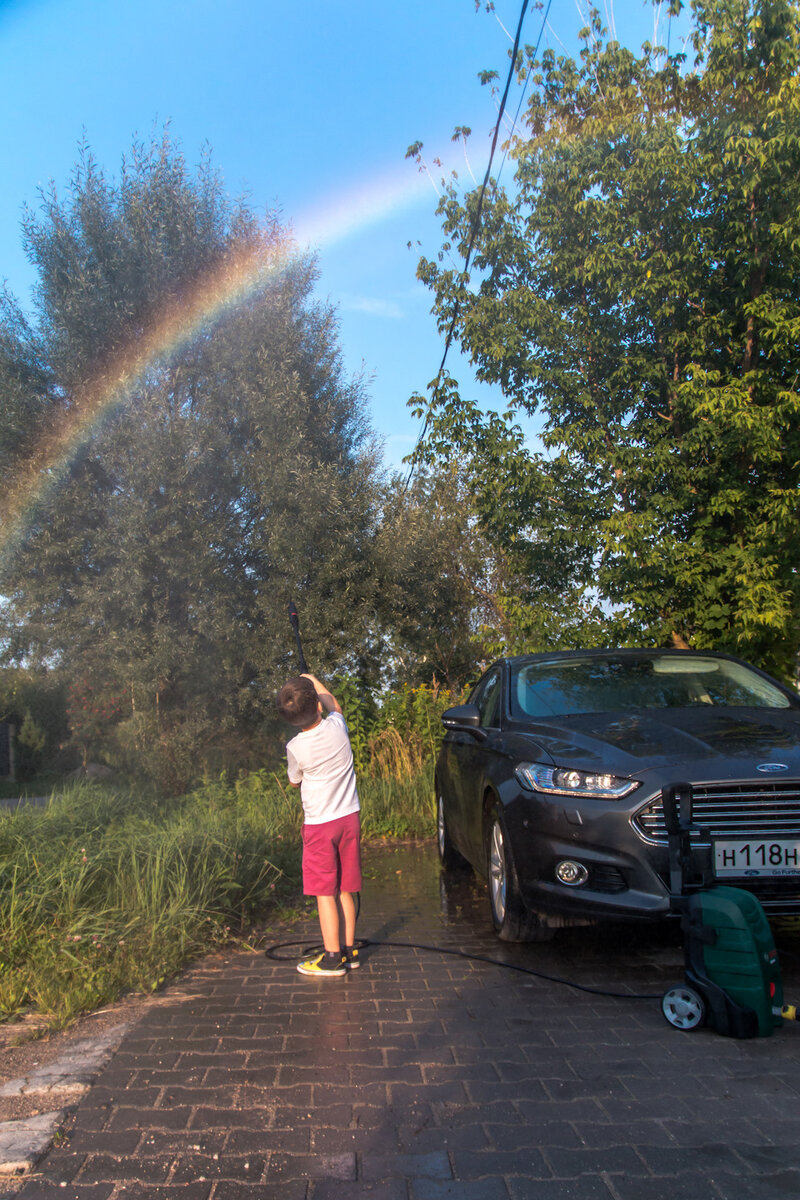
x,y
408,731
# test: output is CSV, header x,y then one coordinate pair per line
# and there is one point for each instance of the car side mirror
x,y
464,717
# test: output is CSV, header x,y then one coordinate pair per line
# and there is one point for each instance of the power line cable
x,y
477,219
515,122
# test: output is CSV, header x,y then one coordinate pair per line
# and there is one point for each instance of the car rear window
x,y
557,687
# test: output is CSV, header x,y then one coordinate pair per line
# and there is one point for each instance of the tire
x,y
684,1008
512,921
449,857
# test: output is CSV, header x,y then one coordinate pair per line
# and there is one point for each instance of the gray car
x,y
549,779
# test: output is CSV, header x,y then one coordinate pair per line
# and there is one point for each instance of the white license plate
x,y
757,858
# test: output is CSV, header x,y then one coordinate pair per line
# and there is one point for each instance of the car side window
x,y
488,701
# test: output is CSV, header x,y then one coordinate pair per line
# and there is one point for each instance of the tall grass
x,y
106,890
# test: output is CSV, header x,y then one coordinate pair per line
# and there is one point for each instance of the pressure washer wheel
x,y
684,1007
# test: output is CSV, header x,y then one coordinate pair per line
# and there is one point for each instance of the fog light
x,y
573,874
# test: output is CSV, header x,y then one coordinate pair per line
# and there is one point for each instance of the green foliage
x,y
439,580
35,704
396,737
529,625
157,546
398,807
358,709
31,736
94,707
407,732
638,289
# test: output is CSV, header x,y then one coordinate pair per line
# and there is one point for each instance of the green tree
x,y
440,581
34,703
638,289
156,561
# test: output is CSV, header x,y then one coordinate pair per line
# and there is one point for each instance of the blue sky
x,y
308,105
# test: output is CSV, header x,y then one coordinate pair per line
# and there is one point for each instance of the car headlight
x,y
565,781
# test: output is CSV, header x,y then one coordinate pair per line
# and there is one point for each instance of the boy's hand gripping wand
x,y
295,620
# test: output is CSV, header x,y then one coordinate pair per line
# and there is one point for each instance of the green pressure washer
x,y
733,978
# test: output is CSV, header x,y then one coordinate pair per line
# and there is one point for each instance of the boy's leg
x,y
348,918
349,883
320,879
328,909
331,961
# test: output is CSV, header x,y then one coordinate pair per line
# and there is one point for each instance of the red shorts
x,y
332,856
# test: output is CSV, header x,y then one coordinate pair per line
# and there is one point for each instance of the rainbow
x,y
214,295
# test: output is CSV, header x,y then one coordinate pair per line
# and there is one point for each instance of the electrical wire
x,y
478,212
534,56
363,943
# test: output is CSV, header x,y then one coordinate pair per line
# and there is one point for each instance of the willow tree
x,y
638,289
190,456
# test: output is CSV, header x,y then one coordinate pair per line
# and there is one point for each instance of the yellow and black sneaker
x,y
351,957
324,964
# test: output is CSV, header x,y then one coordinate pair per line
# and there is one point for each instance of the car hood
x,y
635,743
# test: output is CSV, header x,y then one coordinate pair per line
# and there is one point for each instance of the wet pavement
x,y
423,1075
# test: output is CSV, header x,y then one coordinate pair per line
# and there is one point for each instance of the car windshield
x,y
557,687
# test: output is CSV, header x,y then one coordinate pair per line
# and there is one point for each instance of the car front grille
x,y
742,810
777,897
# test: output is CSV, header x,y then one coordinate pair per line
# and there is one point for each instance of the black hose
x,y
362,943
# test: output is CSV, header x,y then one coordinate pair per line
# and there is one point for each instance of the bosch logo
x,y
771,768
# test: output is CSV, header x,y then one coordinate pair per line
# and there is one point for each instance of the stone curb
x,y
64,1081
23,1142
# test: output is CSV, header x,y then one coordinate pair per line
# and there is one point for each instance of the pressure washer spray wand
x,y
295,620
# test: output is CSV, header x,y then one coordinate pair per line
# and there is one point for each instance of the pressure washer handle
x,y
295,620
676,801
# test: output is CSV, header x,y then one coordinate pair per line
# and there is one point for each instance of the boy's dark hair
x,y
297,702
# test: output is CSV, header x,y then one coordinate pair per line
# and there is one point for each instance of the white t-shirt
x,y
321,761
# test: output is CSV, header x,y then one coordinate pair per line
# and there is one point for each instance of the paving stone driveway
x,y
422,1076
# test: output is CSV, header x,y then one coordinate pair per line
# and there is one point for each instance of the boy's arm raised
x,y
328,702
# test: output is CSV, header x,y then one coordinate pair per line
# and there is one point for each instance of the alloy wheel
x,y
498,880
441,832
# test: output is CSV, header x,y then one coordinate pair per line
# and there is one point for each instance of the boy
x,y
320,763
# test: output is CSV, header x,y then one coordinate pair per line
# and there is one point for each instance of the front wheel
x,y
512,921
